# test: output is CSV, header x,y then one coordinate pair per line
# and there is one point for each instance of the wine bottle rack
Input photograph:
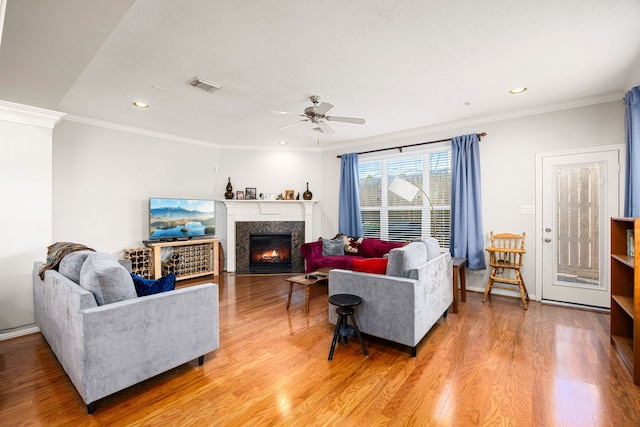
x,y
141,259
187,259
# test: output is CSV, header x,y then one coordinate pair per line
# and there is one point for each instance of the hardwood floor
x,y
491,364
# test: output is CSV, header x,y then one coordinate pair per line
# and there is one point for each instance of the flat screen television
x,y
176,219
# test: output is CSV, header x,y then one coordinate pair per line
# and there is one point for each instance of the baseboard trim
x,y
502,292
18,332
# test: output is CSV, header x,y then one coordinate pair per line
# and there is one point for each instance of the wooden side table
x,y
459,269
302,279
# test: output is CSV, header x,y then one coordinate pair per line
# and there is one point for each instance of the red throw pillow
x,y
371,265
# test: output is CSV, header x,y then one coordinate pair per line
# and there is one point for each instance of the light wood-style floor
x,y
491,364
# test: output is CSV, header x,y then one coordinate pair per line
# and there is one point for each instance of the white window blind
x,y
387,216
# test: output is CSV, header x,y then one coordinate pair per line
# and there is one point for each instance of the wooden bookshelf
x,y
625,293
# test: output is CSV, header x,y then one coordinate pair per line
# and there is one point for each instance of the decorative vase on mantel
x,y
229,194
307,195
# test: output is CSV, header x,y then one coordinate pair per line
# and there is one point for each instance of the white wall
x,y
103,179
25,191
508,162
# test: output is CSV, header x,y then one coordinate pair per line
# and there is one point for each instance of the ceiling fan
x,y
317,115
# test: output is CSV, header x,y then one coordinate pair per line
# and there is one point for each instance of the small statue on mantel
x,y
229,194
298,196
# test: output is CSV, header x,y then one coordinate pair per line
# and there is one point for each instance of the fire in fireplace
x,y
270,253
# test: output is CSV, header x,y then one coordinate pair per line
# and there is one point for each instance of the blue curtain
x,y
349,216
632,179
467,239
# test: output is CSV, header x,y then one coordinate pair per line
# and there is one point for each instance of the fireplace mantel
x,y
265,210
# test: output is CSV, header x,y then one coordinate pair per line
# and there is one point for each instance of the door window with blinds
x,y
387,216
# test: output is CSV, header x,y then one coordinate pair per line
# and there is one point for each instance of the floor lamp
x,y
408,191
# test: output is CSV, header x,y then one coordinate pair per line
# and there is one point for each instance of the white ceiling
x,y
401,65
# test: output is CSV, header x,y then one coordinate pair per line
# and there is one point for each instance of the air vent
x,y
203,84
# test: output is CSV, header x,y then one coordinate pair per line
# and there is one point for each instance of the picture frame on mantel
x,y
239,195
289,195
250,193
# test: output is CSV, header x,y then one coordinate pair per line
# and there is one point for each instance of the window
x,y
387,216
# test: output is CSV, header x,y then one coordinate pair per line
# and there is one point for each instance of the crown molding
x,y
393,136
175,138
481,120
138,131
27,115
265,148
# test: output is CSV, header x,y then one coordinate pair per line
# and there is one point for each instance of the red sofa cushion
x,y
371,265
374,248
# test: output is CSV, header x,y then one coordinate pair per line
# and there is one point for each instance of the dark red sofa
x,y
367,248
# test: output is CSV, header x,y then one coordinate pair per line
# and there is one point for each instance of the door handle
x,y
547,239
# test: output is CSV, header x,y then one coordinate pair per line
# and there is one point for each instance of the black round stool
x,y
345,303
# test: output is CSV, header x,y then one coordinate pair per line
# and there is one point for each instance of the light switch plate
x,y
527,210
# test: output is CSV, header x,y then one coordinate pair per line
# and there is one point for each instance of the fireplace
x,y
270,253
245,217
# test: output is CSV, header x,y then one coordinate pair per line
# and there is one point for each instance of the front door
x,y
580,193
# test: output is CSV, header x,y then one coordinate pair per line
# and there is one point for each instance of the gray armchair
x,y
404,304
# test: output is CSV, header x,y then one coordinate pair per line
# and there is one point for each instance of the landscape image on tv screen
x,y
181,218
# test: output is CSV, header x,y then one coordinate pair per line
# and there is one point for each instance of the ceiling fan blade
x,y
325,128
287,113
323,108
292,124
345,119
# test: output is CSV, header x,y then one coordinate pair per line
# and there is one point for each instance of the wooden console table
x,y
191,258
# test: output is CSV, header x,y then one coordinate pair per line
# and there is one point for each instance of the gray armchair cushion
x,y
102,275
433,247
403,260
71,265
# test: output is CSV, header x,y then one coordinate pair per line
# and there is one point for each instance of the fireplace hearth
x,y
270,253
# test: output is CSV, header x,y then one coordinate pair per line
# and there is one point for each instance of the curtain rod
x,y
480,135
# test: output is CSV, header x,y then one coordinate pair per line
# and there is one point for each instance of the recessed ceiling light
x,y
282,142
517,90
141,104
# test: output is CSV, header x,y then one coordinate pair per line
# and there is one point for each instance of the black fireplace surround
x,y
270,253
244,229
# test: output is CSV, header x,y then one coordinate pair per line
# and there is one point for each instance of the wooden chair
x,y
505,254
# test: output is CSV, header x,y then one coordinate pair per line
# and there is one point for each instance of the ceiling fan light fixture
x,y
316,114
203,84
